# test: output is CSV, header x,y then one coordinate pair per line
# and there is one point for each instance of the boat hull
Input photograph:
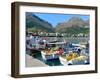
x,y
76,61
49,57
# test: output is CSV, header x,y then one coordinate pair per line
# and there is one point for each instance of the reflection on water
x,y
54,62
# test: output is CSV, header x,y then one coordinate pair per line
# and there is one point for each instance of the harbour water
x,y
56,62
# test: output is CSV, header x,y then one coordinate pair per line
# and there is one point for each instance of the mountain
x,y
74,25
35,24
87,22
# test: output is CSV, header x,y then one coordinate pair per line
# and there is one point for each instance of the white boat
x,y
78,60
46,56
79,45
58,43
53,54
63,60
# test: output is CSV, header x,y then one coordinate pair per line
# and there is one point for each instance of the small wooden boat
x,y
73,59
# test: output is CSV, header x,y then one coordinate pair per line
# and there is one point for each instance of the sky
x,y
54,19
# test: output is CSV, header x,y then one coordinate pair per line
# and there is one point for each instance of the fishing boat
x,y
73,59
54,51
49,56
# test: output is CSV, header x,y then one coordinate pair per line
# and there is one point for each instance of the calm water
x,y
54,62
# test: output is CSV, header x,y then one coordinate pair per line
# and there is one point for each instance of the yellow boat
x,y
73,58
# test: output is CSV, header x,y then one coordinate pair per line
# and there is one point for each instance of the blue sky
x,y
54,19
